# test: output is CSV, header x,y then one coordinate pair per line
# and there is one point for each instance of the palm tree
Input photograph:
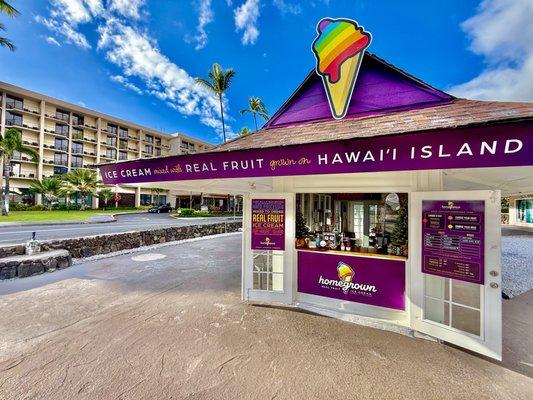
x,y
158,192
11,143
49,187
245,131
256,107
82,181
106,194
10,11
219,81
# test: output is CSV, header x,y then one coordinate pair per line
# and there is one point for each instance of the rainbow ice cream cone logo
x,y
339,49
345,274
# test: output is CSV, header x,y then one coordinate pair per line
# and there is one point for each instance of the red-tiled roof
x,y
458,113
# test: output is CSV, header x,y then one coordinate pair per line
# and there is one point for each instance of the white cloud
x,y
206,17
246,16
502,33
287,8
126,83
62,28
137,54
127,8
52,41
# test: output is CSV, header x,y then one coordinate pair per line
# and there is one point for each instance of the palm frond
x,y
5,42
242,112
8,9
205,83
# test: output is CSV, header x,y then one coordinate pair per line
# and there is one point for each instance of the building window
x,y
60,159
157,151
123,132
62,115
111,141
61,129
15,169
148,138
16,155
148,149
112,129
60,170
123,155
146,199
14,102
13,119
77,162
111,153
77,148
187,146
158,141
77,134
122,144
77,119
61,144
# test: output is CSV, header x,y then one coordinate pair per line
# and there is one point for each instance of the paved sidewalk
x,y
169,323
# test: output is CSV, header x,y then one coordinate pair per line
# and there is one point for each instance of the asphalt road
x,y
134,222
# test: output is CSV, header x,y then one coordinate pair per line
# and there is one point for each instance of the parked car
x,y
163,208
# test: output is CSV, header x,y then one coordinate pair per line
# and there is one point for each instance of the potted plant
x,y
302,231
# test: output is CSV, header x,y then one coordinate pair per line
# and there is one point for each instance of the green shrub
x,y
18,207
186,212
37,207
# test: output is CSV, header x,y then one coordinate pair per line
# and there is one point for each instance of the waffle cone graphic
x,y
340,92
339,49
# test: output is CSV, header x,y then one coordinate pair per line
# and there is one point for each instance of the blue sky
x,y
136,59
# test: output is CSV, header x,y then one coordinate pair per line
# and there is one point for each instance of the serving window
x,y
371,223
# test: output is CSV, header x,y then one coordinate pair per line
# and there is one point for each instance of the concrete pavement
x,y
168,323
125,222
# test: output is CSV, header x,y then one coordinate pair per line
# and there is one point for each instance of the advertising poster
x,y
367,280
453,239
268,224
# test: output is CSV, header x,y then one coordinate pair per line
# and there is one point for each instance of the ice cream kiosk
x,y
370,196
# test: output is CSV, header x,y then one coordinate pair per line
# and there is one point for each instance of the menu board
x,y
268,224
453,237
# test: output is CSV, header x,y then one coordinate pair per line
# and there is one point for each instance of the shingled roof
x,y
457,113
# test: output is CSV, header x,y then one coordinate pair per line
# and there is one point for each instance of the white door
x,y
463,313
268,274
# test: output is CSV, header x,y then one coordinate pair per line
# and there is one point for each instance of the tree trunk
x,y
222,116
5,199
255,121
82,201
2,197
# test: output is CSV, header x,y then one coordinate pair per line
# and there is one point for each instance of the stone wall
x,y
24,265
87,246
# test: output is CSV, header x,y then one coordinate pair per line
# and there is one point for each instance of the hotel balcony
x,y
23,109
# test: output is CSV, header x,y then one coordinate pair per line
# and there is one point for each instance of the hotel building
x,y
68,136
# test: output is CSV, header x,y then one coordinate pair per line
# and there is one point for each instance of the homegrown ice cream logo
x,y
339,49
345,282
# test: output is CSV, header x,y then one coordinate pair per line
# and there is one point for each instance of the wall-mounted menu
x,y
453,237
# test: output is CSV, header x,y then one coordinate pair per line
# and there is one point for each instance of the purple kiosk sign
x,y
453,236
368,280
268,224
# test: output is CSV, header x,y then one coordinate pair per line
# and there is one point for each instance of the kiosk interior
x,y
389,217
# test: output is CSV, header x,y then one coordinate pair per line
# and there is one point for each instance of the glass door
x,y
455,267
268,273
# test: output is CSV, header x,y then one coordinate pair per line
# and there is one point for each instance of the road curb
x,y
73,222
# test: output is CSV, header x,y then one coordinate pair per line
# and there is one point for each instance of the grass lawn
x,y
46,216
